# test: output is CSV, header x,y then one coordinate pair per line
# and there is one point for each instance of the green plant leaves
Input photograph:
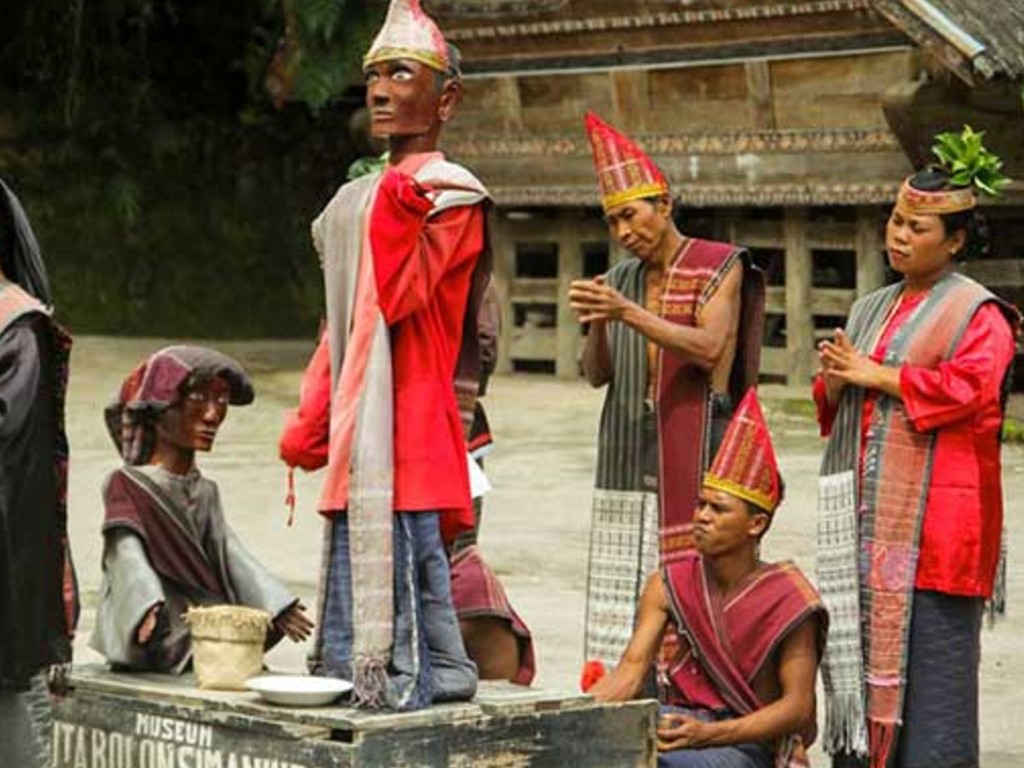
x,y
964,156
367,165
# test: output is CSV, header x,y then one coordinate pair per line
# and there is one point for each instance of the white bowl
x,y
298,690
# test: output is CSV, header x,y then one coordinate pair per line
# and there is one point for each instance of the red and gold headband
x,y
916,202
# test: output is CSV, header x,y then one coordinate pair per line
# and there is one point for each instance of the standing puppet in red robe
x,y
405,262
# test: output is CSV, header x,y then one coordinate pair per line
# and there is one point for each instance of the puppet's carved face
x,y
407,98
191,424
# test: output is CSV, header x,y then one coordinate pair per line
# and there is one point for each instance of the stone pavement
x,y
535,521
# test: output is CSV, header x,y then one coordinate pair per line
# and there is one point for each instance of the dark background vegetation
x,y
170,190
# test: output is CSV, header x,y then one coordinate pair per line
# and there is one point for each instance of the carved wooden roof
x,y
522,35
952,28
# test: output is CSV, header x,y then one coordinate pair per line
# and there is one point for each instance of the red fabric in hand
x,y
306,432
593,671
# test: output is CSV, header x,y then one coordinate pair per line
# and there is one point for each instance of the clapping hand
x,y
595,300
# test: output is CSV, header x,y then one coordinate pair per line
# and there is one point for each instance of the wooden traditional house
x,y
783,125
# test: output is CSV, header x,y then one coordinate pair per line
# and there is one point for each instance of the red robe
x,y
960,401
423,266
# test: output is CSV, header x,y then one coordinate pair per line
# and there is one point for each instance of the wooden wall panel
x,y
837,92
692,99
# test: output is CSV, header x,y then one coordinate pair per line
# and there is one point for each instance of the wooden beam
x,y
532,290
533,344
823,301
759,88
509,102
831,236
799,320
631,97
774,361
870,259
504,270
570,267
997,273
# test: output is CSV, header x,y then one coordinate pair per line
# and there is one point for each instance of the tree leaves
x,y
320,18
968,162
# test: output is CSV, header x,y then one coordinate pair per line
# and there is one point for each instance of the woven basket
x,y
227,644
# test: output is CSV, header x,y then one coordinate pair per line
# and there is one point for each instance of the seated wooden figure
x,y
167,544
738,689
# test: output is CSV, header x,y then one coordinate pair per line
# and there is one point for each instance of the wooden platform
x,y
153,721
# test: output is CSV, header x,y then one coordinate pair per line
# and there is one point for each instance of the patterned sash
x,y
868,546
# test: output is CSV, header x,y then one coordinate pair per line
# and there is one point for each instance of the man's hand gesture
x,y
595,300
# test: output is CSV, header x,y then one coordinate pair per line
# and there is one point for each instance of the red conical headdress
x,y
745,465
624,171
409,33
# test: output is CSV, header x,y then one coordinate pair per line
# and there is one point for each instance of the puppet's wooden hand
x,y
294,623
148,625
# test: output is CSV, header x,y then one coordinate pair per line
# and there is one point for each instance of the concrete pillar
x,y
799,319
503,249
570,267
870,243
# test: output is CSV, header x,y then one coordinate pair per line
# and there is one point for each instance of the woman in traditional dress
x,y
911,398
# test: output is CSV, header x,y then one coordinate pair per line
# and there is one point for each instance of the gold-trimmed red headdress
x,y
409,33
624,171
745,465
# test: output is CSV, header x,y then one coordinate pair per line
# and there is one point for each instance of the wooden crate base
x,y
116,720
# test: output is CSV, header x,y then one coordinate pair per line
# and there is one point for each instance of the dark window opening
x,y
536,260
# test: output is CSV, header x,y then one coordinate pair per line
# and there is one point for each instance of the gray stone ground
x,y
535,521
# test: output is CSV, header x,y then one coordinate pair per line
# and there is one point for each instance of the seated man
x,y
740,688
166,543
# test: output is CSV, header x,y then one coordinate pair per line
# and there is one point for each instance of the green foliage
x,y
968,162
364,166
1013,431
170,196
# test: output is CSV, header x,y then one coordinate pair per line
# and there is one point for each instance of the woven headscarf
x,y
157,384
20,259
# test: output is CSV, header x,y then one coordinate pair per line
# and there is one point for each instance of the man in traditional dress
x,y
38,592
740,689
675,334
405,261
166,543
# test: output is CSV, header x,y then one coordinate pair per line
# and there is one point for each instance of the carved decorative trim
x,y
744,12
687,144
462,9
710,195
